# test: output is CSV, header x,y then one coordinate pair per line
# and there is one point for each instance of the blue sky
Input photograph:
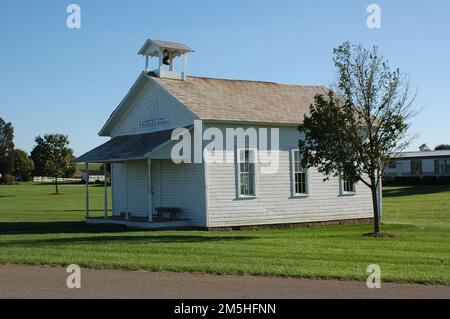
x,y
59,80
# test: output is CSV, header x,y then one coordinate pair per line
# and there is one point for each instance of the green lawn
x,y
39,228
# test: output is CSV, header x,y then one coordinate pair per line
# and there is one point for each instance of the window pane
x,y
348,186
299,176
246,172
244,179
300,183
244,182
251,184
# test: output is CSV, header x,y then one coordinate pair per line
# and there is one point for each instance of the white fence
x,y
44,179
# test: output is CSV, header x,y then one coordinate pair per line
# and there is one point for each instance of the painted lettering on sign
x,y
154,122
153,117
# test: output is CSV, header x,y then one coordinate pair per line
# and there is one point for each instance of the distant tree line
x,y
51,157
441,147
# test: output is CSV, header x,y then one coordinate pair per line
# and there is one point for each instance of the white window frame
x,y
293,172
238,172
342,187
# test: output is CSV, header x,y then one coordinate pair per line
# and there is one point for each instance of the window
x,y
392,164
246,173
299,175
446,168
416,167
348,186
442,167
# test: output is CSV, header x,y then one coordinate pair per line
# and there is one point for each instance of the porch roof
x,y
125,147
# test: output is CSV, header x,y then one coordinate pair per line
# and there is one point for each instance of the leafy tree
x,y
71,169
52,156
424,148
23,165
354,131
102,168
6,149
442,147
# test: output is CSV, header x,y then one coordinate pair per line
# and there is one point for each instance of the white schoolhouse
x,y
151,190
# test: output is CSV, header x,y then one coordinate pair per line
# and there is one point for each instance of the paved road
x,y
50,282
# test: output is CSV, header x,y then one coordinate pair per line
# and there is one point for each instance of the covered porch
x,y
135,178
140,222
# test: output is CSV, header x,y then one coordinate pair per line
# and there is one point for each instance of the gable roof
x,y
233,100
244,101
163,45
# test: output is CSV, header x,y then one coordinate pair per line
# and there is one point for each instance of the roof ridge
x,y
419,151
253,81
257,81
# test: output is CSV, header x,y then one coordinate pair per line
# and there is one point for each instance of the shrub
x,y
8,180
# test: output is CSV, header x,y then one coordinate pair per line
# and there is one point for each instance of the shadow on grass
x,y
67,227
81,184
415,190
59,184
126,240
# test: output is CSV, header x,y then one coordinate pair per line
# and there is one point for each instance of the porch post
x,y
150,204
185,66
105,190
86,176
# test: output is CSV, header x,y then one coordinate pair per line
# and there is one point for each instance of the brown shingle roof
x,y
125,147
244,101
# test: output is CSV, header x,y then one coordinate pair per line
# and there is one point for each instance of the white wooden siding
x,y
118,188
274,202
182,185
178,115
130,188
137,188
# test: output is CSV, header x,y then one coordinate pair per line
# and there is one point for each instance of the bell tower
x,y
166,52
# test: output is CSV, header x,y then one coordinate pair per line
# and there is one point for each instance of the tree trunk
x,y
376,209
56,185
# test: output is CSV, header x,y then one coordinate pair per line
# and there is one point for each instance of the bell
x,y
166,58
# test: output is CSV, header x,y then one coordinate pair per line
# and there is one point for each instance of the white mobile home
x,y
147,184
419,164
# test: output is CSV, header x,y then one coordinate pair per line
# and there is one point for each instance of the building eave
x,y
120,110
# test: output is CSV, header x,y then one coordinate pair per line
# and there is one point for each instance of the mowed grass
x,y
39,228
34,202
